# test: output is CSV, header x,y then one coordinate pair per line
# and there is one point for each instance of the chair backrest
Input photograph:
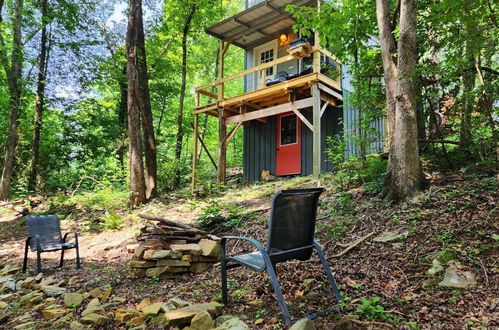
x,y
292,224
47,226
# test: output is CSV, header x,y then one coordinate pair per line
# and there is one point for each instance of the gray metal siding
x,y
330,126
351,124
260,144
259,149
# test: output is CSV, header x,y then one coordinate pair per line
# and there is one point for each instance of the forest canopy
x,y
63,84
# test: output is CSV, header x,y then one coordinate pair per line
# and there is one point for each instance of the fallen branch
x,y
2,204
360,240
169,222
440,141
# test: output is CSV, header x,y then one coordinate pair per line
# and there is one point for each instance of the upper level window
x,y
251,3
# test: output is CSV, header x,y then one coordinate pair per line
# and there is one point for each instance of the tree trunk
x,y
180,117
14,76
146,111
40,98
389,57
404,178
467,109
135,105
122,117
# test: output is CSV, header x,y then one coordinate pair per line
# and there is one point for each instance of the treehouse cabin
x,y
288,99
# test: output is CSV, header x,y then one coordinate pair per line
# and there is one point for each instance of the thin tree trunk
x,y
146,111
14,76
180,117
404,178
122,117
135,103
467,109
39,101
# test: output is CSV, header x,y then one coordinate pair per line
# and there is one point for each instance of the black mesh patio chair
x,y
290,237
44,235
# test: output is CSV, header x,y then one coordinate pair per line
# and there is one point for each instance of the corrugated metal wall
x,y
351,124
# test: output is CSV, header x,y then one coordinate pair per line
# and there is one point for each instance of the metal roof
x,y
257,24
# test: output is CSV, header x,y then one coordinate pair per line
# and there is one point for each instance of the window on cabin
x,y
288,130
266,57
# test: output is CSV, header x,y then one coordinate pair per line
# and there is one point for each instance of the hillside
x,y
384,279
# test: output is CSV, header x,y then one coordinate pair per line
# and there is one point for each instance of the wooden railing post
x,y
195,153
316,147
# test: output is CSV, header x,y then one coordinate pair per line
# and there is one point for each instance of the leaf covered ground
x,y
384,285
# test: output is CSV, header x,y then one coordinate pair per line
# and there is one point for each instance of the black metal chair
x,y
290,237
44,235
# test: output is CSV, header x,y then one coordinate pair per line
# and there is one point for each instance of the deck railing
x,y
233,85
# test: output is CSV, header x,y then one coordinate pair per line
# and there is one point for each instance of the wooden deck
x,y
267,97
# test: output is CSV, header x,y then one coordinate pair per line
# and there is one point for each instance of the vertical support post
x,y
316,148
316,64
222,148
222,127
195,153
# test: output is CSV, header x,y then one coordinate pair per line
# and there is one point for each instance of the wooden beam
x,y
222,150
247,72
254,95
207,93
206,150
324,107
316,147
303,119
270,111
330,91
195,153
231,135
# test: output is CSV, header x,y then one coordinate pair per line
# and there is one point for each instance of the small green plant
x,y
154,279
371,309
217,215
260,312
240,294
112,221
445,238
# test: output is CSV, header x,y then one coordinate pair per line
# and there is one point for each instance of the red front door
x,y
288,160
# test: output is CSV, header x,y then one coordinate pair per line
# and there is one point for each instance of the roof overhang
x,y
257,24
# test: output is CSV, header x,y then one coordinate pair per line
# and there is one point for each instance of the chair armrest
x,y
253,241
74,232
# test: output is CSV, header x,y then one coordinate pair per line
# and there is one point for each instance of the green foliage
x,y
354,172
370,309
216,215
112,221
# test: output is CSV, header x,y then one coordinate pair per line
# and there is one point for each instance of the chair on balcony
x,y
44,235
290,237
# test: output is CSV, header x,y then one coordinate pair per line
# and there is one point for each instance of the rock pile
x,y
46,303
168,248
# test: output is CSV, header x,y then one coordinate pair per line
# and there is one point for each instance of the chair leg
x,y
278,294
327,270
225,295
38,254
38,262
78,266
62,258
25,261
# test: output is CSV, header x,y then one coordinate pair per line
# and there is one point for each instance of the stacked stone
x,y
162,252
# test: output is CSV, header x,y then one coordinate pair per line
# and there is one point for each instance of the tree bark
x,y
122,116
467,109
14,76
135,105
40,98
389,57
404,178
180,117
146,111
